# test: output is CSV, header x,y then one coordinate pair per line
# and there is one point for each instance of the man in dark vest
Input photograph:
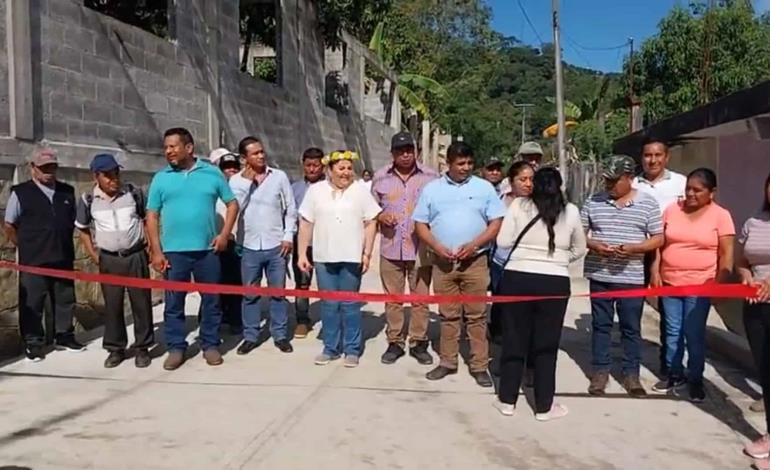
x,y
40,221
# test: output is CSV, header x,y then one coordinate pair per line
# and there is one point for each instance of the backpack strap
x,y
136,193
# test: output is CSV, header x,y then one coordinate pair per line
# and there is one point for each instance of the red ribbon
x,y
712,290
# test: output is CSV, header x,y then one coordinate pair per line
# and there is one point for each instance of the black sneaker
x,y
114,359
69,344
420,352
393,354
34,353
697,392
671,384
246,347
142,358
284,346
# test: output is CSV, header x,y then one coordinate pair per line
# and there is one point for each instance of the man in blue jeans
x,y
266,227
623,225
181,227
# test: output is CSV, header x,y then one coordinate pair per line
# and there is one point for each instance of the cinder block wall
x,y
102,85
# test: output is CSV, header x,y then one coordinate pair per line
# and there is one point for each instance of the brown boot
x,y
634,387
173,360
598,383
213,357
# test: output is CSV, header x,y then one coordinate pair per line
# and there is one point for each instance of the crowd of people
x,y
234,219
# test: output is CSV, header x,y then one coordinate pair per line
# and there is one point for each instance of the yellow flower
x,y
339,155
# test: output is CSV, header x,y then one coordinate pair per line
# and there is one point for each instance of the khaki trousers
x,y
395,275
470,277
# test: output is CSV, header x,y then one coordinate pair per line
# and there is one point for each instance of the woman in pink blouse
x,y
698,249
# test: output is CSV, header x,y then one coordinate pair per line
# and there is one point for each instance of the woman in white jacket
x,y
545,234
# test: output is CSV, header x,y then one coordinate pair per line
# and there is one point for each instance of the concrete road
x,y
274,411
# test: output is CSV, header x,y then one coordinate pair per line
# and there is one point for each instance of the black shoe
x,y
142,358
246,347
284,346
69,344
114,359
697,392
34,353
420,352
393,354
482,378
439,373
672,384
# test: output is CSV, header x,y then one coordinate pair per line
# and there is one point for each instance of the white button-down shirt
x,y
667,190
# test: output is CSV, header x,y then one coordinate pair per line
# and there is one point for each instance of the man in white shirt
x,y
667,187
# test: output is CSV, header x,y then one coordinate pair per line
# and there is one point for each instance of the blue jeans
x,y
204,267
686,327
629,312
341,320
253,264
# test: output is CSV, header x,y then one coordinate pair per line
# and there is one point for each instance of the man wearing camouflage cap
x,y
623,224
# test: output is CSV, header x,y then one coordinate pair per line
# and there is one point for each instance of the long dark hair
x,y
549,200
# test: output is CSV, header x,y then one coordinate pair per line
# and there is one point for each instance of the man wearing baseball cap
x,y
493,172
229,164
623,225
40,221
227,161
396,188
532,153
110,219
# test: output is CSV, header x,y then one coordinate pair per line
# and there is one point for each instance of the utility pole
x,y
560,138
524,107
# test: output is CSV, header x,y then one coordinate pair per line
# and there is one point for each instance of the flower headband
x,y
339,155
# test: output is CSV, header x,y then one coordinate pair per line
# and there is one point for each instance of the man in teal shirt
x,y
182,229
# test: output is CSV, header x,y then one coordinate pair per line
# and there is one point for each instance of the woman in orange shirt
x,y
698,249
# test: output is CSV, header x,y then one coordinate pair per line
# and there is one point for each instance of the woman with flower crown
x,y
340,218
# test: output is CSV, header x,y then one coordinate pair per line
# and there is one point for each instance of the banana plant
x,y
412,88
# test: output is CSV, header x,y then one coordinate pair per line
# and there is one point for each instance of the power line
x,y
608,48
532,26
580,54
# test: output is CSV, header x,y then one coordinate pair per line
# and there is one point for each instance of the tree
x,y
699,55
149,15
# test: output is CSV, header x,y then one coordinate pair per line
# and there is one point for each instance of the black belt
x,y
125,253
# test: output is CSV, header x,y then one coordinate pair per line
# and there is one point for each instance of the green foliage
x,y
358,17
266,68
700,55
149,15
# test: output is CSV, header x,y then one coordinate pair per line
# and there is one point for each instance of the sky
x,y
592,30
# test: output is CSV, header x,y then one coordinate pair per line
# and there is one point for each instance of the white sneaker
x,y
557,411
505,409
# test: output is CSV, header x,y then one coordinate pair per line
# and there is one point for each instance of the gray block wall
x,y
102,85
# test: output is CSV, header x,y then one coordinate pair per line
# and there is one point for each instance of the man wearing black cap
x,y
110,219
396,188
493,172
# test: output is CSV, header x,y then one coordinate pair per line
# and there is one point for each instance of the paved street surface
x,y
274,411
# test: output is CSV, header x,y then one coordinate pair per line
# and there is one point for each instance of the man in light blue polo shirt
x,y
182,229
457,216
266,230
